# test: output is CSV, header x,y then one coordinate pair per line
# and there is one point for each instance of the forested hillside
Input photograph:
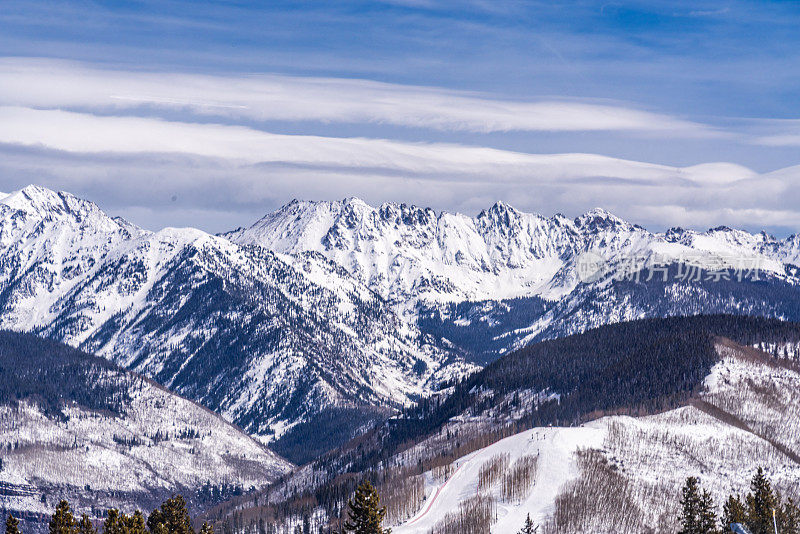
x,y
635,368
75,426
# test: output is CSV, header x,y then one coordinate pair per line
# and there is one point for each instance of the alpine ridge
x,y
517,276
267,340
329,312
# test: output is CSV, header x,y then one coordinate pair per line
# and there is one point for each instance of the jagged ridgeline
x,y
265,340
75,426
634,368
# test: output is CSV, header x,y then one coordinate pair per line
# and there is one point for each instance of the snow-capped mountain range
x,y
339,304
411,254
265,339
424,262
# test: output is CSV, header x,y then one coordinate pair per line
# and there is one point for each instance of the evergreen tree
x,y
62,521
135,524
114,523
206,529
171,518
708,516
85,526
761,502
790,521
365,514
529,527
733,511
697,510
690,507
120,523
306,524
12,525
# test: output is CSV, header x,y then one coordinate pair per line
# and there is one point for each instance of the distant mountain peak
x,y
600,218
35,199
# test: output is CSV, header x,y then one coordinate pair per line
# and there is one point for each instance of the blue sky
x,y
449,104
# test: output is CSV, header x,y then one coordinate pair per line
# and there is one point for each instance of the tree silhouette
x,y
733,511
172,517
697,510
761,504
85,526
529,527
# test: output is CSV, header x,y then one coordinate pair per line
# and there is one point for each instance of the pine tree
x,y
697,510
120,523
529,527
135,524
62,521
172,518
690,507
12,525
114,523
206,529
733,511
708,516
85,526
790,518
365,516
761,502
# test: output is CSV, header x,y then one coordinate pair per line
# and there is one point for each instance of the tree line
x,y
171,518
761,511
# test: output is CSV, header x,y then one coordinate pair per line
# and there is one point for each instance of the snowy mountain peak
x,y
194,311
599,218
34,199
38,204
406,215
414,255
502,213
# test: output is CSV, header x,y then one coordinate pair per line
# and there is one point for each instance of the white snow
x,y
66,261
414,255
654,454
554,448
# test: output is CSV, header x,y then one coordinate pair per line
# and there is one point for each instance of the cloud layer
x,y
286,98
213,151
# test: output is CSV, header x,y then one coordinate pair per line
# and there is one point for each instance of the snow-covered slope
x,y
409,252
74,426
265,339
624,474
554,450
405,252
425,262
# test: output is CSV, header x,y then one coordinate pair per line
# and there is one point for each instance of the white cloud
x,y
224,176
87,133
780,140
50,84
135,140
